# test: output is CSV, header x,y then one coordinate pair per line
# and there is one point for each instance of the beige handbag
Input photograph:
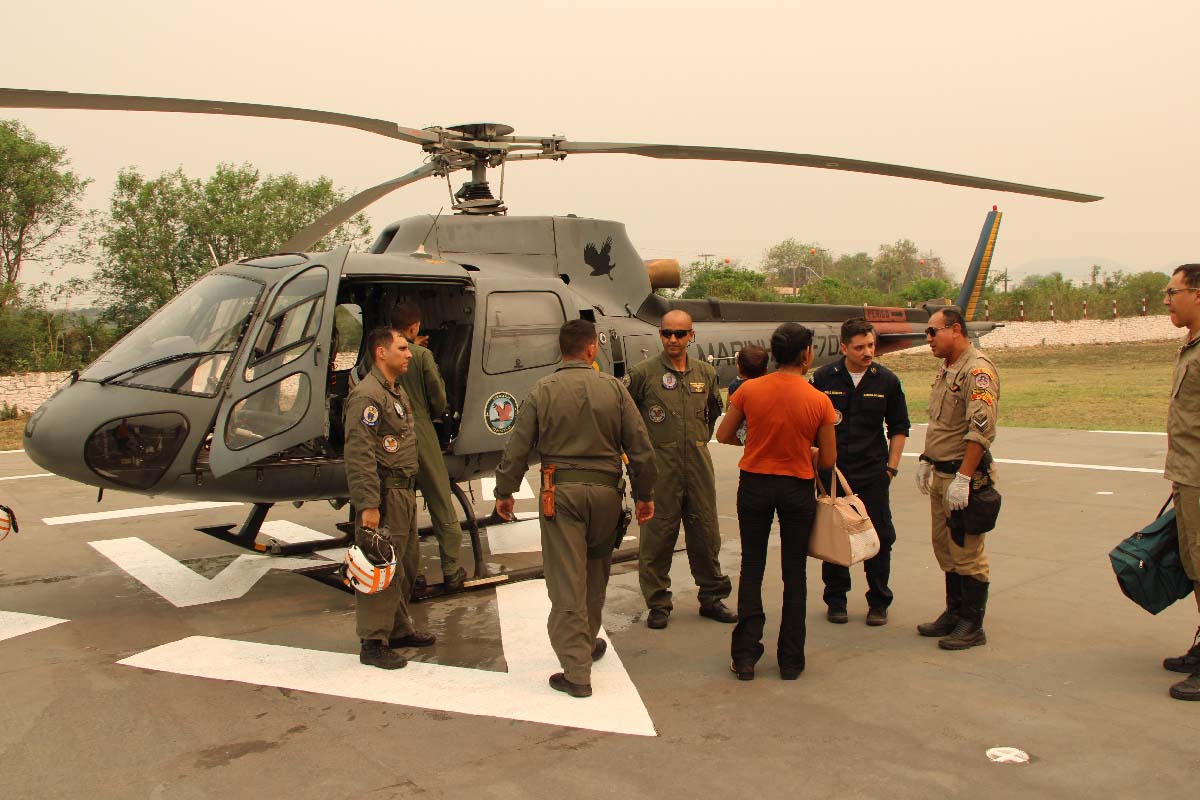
x,y
842,532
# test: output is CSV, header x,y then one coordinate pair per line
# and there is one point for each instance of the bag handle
x,y
840,479
1163,510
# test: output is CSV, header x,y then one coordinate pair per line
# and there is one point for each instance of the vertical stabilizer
x,y
981,262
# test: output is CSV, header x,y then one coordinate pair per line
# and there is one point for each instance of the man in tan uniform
x,y
963,407
680,401
578,421
1182,297
381,468
423,384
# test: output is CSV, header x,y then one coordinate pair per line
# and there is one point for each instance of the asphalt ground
x,y
260,694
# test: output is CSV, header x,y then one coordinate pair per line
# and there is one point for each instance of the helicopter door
x,y
276,398
639,347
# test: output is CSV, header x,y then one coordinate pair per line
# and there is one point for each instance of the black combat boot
x,y
969,630
455,582
1188,662
944,625
377,654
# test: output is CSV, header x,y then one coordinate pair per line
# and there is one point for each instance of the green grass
x,y
12,434
1120,387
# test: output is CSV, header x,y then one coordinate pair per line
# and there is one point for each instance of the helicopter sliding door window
x,y
292,325
268,412
522,331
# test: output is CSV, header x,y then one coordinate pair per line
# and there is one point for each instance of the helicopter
x,y
233,390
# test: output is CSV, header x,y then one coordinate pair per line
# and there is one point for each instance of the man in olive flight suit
x,y
963,406
680,401
381,468
423,384
578,421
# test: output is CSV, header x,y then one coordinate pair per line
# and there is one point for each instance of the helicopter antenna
x,y
421,246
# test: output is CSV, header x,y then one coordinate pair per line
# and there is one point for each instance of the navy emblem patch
x,y
500,412
391,444
656,413
370,416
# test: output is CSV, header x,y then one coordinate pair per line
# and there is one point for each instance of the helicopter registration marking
x,y
520,693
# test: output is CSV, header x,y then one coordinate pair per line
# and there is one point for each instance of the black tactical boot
x,y
377,654
944,624
454,583
1188,662
1188,688
420,589
969,630
559,682
599,648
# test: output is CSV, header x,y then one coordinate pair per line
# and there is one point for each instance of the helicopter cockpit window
x,y
186,347
291,325
522,331
269,411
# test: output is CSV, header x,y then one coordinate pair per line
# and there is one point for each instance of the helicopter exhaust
x,y
664,273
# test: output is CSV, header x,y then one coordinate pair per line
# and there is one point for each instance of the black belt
x,y
590,476
397,480
951,467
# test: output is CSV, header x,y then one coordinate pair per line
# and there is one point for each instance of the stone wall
x,y
29,390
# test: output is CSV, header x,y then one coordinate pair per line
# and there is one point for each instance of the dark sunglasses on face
x,y
669,333
932,332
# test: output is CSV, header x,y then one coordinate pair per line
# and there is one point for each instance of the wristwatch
x,y
892,471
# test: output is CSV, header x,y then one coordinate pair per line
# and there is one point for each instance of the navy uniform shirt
x,y
862,411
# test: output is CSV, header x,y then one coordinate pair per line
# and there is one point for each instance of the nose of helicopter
x,y
56,432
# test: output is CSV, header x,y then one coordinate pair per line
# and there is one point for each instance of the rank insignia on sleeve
x,y
669,380
370,416
391,444
983,395
656,413
980,421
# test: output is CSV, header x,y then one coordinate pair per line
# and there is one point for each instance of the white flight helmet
x,y
370,573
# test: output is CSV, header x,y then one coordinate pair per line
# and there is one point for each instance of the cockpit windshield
x,y
188,344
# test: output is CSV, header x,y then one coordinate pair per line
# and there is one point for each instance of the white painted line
x,y
133,512
522,693
181,586
291,532
5,452
487,487
23,477
1067,465
1103,492
515,537
1134,433
14,624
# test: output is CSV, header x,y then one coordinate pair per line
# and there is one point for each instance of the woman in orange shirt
x,y
785,416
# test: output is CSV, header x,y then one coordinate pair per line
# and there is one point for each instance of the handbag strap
x,y
840,479
1163,510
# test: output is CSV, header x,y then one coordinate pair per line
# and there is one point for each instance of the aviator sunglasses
x,y
670,333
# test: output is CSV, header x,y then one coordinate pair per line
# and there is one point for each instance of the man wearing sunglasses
x,y
680,401
1182,299
962,425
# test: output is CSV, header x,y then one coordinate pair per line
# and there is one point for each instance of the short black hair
x,y
855,326
954,317
574,337
405,315
752,360
381,336
788,343
1191,274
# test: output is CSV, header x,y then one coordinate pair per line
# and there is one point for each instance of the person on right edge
x,y
1182,298
865,395
785,416
963,405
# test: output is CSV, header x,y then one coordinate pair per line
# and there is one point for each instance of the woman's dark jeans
x,y
759,498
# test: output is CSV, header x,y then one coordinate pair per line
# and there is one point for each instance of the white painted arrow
x,y
521,693
15,624
182,586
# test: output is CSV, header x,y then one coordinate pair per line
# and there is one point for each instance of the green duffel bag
x,y
1147,564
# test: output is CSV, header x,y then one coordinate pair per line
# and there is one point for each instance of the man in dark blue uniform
x,y
865,395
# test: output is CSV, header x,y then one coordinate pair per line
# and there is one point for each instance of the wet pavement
x,y
144,659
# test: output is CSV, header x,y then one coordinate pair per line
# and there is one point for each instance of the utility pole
x,y
706,257
1004,279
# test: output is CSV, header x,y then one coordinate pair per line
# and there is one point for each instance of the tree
x,y
726,282
793,263
39,202
164,233
899,264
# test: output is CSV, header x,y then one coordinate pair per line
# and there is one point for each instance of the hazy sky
x,y
1097,97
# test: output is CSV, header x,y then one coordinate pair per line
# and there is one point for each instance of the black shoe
x,y
420,590
599,649
877,616
719,612
454,583
744,672
414,639
790,673
1187,663
1188,688
658,618
837,616
965,634
559,682
377,654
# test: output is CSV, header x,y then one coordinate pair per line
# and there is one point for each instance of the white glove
x,y
959,492
924,473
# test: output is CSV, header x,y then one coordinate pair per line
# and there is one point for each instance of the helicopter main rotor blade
x,y
308,236
676,151
36,98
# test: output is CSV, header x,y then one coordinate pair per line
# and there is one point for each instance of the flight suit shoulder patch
x,y
370,415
